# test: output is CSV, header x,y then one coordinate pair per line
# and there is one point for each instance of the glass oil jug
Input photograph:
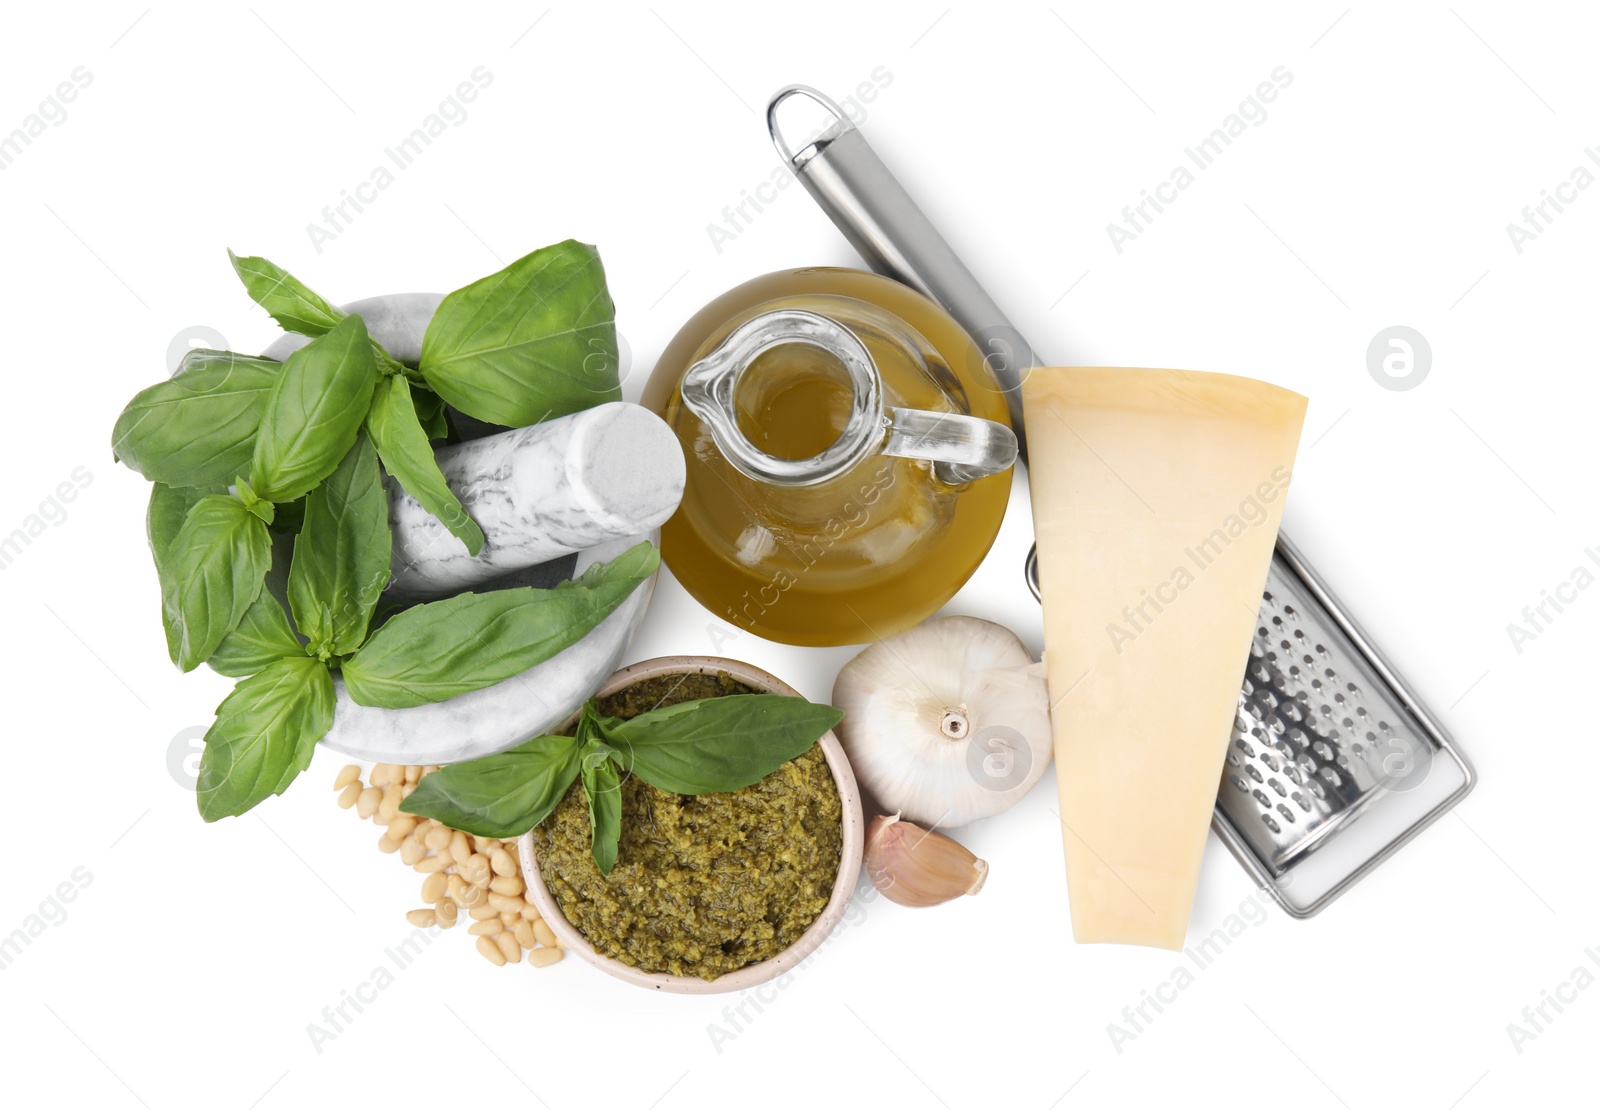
x,y
848,456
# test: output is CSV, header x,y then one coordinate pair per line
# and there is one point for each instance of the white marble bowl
x,y
853,826
498,717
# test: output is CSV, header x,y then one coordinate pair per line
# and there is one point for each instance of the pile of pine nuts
x,y
464,872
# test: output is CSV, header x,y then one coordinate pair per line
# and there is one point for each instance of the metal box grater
x,y
1334,764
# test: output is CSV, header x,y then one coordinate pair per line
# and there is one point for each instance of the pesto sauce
x,y
703,885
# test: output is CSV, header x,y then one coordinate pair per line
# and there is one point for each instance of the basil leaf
x,y
341,556
198,428
264,735
314,412
294,306
720,744
164,517
403,444
431,412
602,785
442,649
213,574
263,636
502,795
535,340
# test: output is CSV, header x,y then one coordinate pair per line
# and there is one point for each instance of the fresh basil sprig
x,y
262,636
293,305
263,736
535,340
701,746
442,649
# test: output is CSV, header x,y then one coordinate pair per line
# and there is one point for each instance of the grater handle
x,y
881,221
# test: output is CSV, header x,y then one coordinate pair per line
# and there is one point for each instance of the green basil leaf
x,y
502,795
263,736
198,428
442,649
263,636
213,574
296,307
314,412
431,412
721,744
535,340
603,787
406,453
253,501
169,507
341,556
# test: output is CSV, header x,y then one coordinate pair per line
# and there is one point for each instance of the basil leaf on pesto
x,y
720,744
502,795
602,784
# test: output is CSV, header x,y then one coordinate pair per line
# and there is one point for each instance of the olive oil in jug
x,y
848,457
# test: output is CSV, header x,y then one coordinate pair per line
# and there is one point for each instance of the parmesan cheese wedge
x,y
1157,495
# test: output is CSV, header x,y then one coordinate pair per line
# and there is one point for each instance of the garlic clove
x,y
911,865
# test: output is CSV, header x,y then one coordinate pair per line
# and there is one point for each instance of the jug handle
x,y
961,448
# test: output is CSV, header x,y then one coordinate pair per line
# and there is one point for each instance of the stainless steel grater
x,y
1334,763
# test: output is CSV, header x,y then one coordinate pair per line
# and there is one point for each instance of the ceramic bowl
x,y
516,709
753,974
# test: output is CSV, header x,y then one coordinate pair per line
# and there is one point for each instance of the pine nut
x,y
508,887
349,795
422,918
413,774
484,912
427,769
388,844
433,863
389,806
382,774
408,788
445,913
456,889
541,930
505,904
530,911
503,863
433,887
509,948
401,826
346,775
460,848
544,957
524,934
439,839
367,802
411,850
476,872
488,950
480,843
487,928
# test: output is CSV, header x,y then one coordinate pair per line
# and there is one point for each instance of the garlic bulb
x,y
913,866
946,723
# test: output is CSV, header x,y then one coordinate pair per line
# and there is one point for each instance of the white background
x,y
1376,193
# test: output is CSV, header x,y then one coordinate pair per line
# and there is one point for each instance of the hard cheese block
x,y
1157,495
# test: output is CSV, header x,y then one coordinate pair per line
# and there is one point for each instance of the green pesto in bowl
x,y
703,885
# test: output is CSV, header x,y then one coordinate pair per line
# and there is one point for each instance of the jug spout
x,y
961,448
